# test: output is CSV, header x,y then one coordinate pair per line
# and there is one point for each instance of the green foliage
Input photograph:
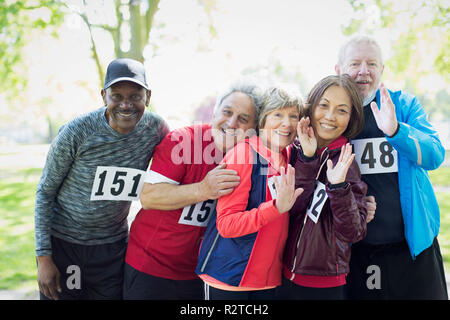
x,y
353,27
18,265
443,199
400,62
442,62
17,20
420,38
440,177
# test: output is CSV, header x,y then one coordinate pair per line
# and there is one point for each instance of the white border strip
x,y
155,177
419,152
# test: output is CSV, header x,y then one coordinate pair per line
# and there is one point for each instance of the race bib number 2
x,y
375,155
117,183
317,202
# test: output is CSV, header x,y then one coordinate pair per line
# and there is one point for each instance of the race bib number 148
x,y
117,183
375,155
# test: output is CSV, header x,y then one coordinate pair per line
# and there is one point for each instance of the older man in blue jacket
x,y
400,257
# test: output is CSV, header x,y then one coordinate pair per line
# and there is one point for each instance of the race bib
x,y
271,184
375,155
198,214
117,183
317,202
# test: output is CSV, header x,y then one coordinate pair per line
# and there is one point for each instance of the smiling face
x,y
234,120
279,128
330,117
125,102
362,62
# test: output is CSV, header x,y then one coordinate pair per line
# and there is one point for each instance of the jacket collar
x,y
268,154
335,144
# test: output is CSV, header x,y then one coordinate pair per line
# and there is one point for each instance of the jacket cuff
x,y
43,252
306,158
339,190
270,210
396,130
338,185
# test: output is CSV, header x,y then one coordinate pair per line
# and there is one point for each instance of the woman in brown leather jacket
x,y
330,215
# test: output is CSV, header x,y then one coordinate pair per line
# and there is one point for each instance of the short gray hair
x,y
250,88
359,39
276,98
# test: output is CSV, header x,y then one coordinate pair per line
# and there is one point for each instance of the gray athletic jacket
x,y
64,207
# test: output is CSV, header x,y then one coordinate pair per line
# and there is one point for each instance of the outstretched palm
x,y
306,137
286,192
338,173
385,116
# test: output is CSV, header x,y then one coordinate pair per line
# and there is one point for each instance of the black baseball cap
x,y
125,69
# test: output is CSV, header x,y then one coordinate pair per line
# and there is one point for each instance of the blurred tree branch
x,y
427,23
420,41
17,20
135,17
130,32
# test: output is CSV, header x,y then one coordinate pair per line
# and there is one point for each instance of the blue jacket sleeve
x,y
416,138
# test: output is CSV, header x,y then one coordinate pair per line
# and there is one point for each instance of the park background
x,y
53,55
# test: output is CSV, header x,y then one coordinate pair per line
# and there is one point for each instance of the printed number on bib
x,y
317,202
271,184
116,183
198,214
375,155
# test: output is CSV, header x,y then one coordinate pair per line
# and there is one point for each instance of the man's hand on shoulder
x,y
218,182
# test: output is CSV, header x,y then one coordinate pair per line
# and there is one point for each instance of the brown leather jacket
x,y
323,248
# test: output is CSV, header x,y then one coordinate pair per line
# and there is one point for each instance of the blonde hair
x,y
275,98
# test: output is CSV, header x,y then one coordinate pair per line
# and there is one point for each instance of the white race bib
x,y
375,155
198,214
117,183
317,202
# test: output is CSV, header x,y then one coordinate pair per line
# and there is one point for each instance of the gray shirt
x,y
63,205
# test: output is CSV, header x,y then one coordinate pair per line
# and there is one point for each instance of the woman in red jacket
x,y
331,212
241,256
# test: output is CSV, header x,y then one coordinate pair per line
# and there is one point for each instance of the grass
x,y
440,177
444,231
17,248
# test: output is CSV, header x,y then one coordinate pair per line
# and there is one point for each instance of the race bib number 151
x,y
117,183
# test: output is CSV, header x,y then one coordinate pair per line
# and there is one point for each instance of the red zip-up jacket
x,y
244,246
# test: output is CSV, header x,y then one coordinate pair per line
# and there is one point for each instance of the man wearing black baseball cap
x,y
95,167
124,69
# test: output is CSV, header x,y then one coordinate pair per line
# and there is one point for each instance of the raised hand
x,y
219,182
286,192
337,174
306,137
385,116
